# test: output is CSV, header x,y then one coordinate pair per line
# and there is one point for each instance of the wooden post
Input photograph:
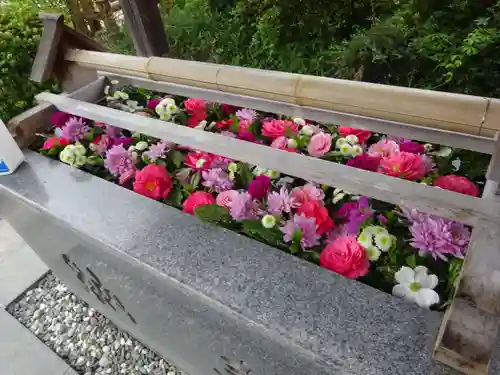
x,y
144,22
106,14
468,334
77,17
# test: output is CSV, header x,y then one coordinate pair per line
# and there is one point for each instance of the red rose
x,y
55,142
153,182
277,128
197,199
346,257
316,210
196,118
224,124
362,135
458,184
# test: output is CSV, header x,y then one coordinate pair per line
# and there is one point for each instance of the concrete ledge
x,y
220,297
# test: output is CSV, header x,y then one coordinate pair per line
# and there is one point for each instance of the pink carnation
x,y
197,199
302,194
458,184
195,105
319,144
276,128
383,148
404,165
346,257
225,199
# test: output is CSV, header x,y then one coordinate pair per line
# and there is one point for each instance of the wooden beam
x,y
428,199
145,25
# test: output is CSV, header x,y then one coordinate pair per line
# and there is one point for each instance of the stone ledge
x,y
216,292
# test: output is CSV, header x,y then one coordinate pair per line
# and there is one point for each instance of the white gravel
x,y
85,339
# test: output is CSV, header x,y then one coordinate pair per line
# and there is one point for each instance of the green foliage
x,y
20,32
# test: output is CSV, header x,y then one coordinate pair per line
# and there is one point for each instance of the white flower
x,y
372,253
80,161
200,163
272,174
383,241
232,167
428,147
357,150
166,108
135,156
443,152
292,143
257,171
340,142
79,149
106,90
352,139
456,164
416,285
115,82
268,221
202,125
365,239
121,95
140,146
346,149
299,121
133,105
68,155
376,236
338,197
307,130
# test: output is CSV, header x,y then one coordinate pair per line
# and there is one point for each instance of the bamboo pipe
x,y
453,112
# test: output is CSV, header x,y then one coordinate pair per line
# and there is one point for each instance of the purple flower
x,y
428,163
358,214
398,140
413,147
217,179
153,103
113,131
220,162
246,114
259,187
118,161
74,129
413,215
244,207
279,202
307,228
58,119
158,150
439,237
124,141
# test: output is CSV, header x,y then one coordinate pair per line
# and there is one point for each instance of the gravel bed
x,y
85,339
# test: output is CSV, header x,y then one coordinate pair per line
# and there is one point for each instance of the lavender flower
x,y
221,162
244,207
158,150
246,114
306,226
217,179
74,129
359,215
113,131
439,237
279,202
118,161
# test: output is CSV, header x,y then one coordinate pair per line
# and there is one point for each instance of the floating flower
x,y
458,184
384,148
356,213
277,128
74,129
53,142
439,237
244,131
375,239
307,228
118,161
366,162
416,285
166,109
279,202
74,155
319,144
226,198
197,199
244,207
113,131
346,257
198,160
228,109
403,165
259,187
217,179
225,124
362,135
193,105
318,211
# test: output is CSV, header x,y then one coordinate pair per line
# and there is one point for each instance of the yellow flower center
x,y
150,185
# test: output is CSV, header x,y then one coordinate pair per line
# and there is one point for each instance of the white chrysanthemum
x,y
68,155
352,139
340,142
372,253
357,150
140,146
257,171
307,130
272,174
383,241
338,197
365,239
299,121
200,163
268,221
79,149
428,147
166,108
80,161
292,143
346,149
121,95
416,285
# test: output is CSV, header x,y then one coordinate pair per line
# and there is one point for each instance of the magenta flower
x,y
356,213
118,161
278,203
217,179
413,147
158,150
113,131
244,207
58,119
306,226
153,103
383,148
259,187
366,162
439,237
221,162
74,129
246,114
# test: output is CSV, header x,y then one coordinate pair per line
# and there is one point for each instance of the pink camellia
x,y
458,184
277,128
195,105
225,199
197,199
404,165
153,182
55,142
259,187
198,160
345,256
413,147
362,135
319,144
383,148
153,103
309,192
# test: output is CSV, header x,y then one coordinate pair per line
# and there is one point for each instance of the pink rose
x,y
225,199
198,160
277,128
197,199
153,182
319,144
301,194
404,165
195,105
383,148
362,135
280,143
259,187
458,184
346,257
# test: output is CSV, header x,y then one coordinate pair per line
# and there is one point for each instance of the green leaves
x,y
213,213
254,229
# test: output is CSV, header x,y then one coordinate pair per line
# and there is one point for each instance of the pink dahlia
x,y
74,129
118,161
308,192
319,144
404,165
458,184
383,148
